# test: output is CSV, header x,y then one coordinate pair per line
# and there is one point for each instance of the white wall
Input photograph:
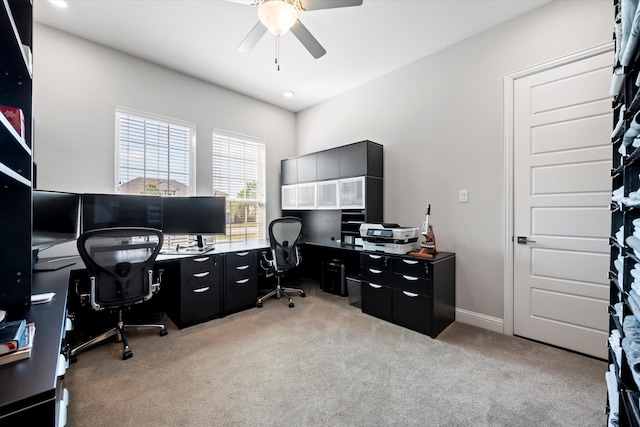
x,y
440,120
77,85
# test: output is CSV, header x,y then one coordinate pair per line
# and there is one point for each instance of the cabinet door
x,y
289,197
352,193
289,171
307,168
328,164
328,195
306,196
353,160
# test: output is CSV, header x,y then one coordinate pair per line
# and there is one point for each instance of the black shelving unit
x,y
16,159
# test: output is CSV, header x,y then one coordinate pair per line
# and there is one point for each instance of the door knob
x,y
523,240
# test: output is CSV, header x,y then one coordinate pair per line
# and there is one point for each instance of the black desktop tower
x,y
333,277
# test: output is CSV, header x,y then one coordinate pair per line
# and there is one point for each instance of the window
x,y
155,155
238,174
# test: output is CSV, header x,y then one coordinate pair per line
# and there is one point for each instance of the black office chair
x,y
120,266
284,237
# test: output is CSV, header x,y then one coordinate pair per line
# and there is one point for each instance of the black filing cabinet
x,y
418,294
241,280
412,290
376,291
194,289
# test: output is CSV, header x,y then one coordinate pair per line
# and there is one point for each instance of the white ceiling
x,y
200,37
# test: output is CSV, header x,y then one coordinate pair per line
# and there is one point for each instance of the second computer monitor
x,y
196,215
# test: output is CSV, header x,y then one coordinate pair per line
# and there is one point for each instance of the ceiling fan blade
x,y
307,40
328,4
252,38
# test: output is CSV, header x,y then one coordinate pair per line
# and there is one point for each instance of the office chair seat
x,y
284,239
120,266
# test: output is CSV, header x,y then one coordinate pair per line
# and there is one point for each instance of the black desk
x,y
31,391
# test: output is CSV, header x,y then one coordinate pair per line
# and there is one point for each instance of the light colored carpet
x,y
325,363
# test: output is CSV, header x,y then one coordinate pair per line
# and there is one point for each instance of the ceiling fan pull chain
x,y
278,52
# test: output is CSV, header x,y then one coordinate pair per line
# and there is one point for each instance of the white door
x,y
562,122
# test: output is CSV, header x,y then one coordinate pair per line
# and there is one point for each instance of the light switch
x,y
463,196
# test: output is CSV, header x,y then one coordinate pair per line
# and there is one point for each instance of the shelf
x,y
12,42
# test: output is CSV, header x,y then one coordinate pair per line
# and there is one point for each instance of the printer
x,y
388,237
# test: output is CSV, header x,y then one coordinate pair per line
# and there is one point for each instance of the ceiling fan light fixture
x,y
278,16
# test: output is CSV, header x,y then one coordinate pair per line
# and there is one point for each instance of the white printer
x,y
388,237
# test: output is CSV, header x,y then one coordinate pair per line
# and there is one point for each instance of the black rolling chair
x,y
284,237
120,266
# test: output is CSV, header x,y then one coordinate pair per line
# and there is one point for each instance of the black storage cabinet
x,y
417,294
241,280
193,288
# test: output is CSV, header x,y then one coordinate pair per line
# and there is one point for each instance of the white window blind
x,y
239,174
155,155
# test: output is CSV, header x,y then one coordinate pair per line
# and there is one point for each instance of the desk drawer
x,y
201,279
412,311
376,300
197,264
198,305
414,284
241,271
241,293
375,261
412,267
234,260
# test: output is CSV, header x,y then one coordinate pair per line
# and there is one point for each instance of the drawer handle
x,y
203,274
242,281
202,259
374,271
201,290
375,256
242,267
242,253
410,278
374,286
410,294
410,261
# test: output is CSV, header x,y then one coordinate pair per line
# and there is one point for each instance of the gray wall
x,y
77,85
440,120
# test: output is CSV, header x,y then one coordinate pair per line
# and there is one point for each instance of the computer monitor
x,y
196,215
121,210
56,218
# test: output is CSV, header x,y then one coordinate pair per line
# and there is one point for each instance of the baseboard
x,y
480,320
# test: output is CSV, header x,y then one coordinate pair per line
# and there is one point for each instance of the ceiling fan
x,y
280,16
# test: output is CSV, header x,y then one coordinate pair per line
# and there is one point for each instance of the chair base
x,y
119,333
279,292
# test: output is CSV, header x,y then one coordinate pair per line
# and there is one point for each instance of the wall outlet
x,y
463,196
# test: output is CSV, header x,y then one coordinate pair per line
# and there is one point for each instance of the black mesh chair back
x,y
120,260
284,235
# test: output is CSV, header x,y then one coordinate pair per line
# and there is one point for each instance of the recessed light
x,y
288,94
59,3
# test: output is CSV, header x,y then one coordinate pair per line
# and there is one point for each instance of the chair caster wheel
x,y
259,304
303,295
73,359
290,305
127,355
163,332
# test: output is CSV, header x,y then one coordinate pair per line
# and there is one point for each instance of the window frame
x,y
151,117
220,136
